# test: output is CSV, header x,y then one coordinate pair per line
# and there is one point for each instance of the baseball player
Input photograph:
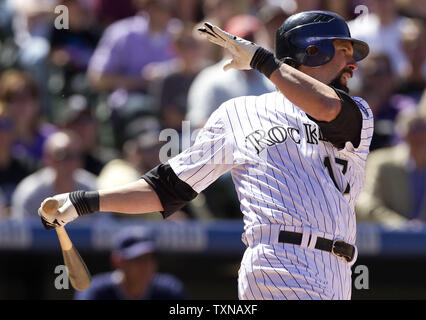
x,y
296,157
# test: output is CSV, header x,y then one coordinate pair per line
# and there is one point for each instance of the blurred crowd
x,y
87,87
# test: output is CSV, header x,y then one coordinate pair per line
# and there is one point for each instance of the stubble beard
x,y
337,81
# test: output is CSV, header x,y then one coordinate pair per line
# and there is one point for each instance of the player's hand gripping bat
x,y
78,273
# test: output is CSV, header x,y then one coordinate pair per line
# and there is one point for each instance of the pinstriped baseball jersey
x,y
287,178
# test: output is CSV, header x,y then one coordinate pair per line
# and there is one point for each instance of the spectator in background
x,y
79,119
213,86
378,88
140,153
123,61
173,93
62,173
414,46
12,169
32,23
33,18
395,186
129,45
381,28
135,275
71,49
19,96
107,12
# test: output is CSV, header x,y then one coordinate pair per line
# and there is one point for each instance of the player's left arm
x,y
333,110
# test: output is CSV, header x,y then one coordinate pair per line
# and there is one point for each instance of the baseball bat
x,y
78,272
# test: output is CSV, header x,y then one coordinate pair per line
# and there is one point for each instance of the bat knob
x,y
50,206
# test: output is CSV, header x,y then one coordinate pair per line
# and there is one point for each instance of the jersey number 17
x,y
344,164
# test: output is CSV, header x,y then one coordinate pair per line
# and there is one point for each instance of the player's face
x,y
339,70
342,65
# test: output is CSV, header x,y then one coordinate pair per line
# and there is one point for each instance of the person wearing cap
x,y
135,275
395,185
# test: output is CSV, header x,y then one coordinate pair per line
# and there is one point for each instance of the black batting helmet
x,y
306,38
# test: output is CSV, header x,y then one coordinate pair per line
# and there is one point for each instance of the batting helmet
x,y
306,38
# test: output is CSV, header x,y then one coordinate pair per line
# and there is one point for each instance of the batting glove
x,y
71,206
246,55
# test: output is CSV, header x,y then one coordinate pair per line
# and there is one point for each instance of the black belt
x,y
337,247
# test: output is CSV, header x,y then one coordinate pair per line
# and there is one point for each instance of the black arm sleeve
x,y
173,192
347,125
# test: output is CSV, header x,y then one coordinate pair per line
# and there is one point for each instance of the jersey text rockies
x,y
261,139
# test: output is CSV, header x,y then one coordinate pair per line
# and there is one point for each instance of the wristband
x,y
85,202
265,62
